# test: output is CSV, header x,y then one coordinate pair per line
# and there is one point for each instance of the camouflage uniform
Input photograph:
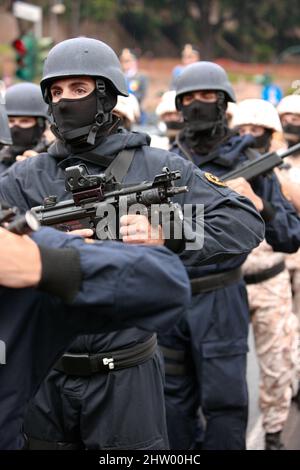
x,y
293,261
293,265
276,336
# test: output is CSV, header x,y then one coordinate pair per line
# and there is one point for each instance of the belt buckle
x,y
77,364
108,361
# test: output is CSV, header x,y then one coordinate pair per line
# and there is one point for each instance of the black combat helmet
x,y
86,57
5,136
203,76
83,56
25,99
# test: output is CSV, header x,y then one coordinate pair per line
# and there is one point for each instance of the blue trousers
x,y
123,409
212,346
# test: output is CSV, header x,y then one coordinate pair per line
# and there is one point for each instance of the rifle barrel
x,y
287,152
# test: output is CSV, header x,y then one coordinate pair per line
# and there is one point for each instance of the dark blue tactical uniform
x,y
206,355
37,327
3,167
57,408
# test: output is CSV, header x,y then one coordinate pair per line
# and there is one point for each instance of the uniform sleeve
x,y
3,168
283,228
12,186
228,224
123,286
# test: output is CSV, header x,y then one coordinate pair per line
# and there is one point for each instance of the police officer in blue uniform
x,y
27,113
37,325
206,355
81,81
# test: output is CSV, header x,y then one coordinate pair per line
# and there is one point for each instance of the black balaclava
x,y
263,142
291,129
205,124
25,138
174,125
22,139
84,121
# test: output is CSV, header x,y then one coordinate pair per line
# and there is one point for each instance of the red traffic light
x,y
19,46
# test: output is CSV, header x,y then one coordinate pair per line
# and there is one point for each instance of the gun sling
x,y
117,169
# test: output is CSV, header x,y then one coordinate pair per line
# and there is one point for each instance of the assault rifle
x,y
97,204
261,165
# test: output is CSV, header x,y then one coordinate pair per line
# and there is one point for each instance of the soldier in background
x,y
260,119
289,111
5,134
231,107
189,55
27,115
269,290
206,355
137,83
128,110
170,121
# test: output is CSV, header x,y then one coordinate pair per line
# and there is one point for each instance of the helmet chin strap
x,y
221,105
102,118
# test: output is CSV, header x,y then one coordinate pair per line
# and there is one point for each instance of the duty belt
x,y
86,364
265,274
215,281
176,362
37,444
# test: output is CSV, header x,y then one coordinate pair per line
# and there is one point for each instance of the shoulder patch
x,y
214,179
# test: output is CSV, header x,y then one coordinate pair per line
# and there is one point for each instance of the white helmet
x,y
289,104
129,107
257,112
167,103
231,109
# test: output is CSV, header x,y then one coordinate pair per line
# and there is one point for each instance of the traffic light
x,y
26,55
